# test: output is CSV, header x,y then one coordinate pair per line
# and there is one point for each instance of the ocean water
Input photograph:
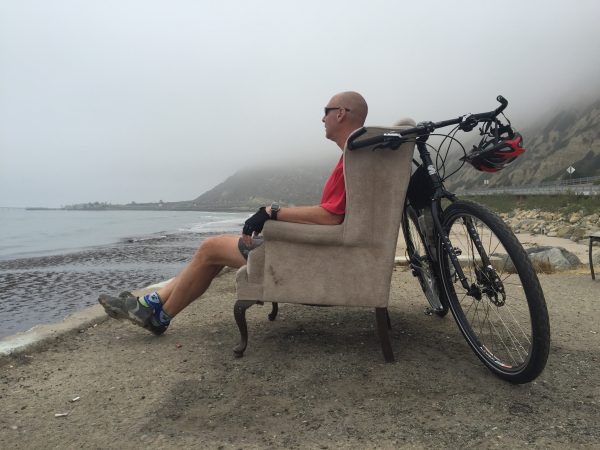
x,y
28,233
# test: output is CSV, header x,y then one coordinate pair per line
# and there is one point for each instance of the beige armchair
x,y
343,265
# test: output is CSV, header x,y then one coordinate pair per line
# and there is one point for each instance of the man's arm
x,y
313,215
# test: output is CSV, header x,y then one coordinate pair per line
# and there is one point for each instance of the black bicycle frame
x,y
440,192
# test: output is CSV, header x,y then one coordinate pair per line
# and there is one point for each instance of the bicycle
x,y
467,260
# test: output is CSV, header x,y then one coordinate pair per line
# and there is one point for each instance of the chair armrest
x,y
303,233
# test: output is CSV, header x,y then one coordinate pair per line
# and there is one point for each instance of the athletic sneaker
x,y
127,307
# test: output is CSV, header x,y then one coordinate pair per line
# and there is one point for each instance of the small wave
x,y
145,238
226,225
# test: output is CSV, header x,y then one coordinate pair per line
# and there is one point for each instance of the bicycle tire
x,y
421,264
508,327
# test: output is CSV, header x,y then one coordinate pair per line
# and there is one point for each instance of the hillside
x,y
296,185
570,138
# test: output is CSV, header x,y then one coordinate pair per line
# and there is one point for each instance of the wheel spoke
x,y
517,345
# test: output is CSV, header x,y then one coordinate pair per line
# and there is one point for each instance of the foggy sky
x,y
143,100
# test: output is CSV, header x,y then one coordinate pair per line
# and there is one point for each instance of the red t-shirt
x,y
334,192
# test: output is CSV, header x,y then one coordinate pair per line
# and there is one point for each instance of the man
x,y
344,113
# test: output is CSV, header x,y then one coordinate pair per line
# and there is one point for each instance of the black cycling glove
x,y
256,223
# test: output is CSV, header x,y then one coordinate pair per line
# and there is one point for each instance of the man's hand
x,y
254,225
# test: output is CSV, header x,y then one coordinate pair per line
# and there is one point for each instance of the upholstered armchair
x,y
349,264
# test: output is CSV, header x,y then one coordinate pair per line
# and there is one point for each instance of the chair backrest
x,y
376,185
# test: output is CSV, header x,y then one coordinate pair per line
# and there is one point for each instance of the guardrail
x,y
576,186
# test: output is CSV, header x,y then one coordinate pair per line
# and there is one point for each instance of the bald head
x,y
355,104
344,113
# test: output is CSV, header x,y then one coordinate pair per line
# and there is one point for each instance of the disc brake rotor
x,y
491,285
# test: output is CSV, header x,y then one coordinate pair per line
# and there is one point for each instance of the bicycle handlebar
x,y
466,123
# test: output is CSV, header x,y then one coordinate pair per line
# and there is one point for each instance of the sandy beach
x,y
314,378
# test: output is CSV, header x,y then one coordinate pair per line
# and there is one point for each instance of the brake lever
x,y
468,123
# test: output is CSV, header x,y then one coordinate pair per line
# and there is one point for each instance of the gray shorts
x,y
256,242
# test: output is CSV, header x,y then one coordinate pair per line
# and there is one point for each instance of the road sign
x,y
570,169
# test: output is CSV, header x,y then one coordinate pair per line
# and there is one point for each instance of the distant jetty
x,y
42,209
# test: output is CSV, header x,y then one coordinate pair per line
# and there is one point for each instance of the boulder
x,y
563,232
502,263
558,258
578,234
593,218
575,217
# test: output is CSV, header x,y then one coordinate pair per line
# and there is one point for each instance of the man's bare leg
x,y
214,254
154,312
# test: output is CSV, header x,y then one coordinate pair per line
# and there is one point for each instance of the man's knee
x,y
215,249
208,248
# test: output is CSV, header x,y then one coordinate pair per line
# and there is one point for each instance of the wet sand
x,y
46,289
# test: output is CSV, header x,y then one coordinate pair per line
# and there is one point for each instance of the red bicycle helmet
x,y
495,152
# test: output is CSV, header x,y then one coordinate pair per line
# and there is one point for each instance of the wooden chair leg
x,y
273,313
381,316
239,312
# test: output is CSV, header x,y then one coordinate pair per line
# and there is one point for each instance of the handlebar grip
x,y
365,143
503,104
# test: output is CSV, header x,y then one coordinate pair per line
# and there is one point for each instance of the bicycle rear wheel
x,y
503,314
421,263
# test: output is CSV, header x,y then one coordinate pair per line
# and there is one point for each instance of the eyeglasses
x,y
328,109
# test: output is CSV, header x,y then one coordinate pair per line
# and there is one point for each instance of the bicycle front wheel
x,y
503,314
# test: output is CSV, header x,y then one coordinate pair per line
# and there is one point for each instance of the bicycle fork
x,y
440,192
448,248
